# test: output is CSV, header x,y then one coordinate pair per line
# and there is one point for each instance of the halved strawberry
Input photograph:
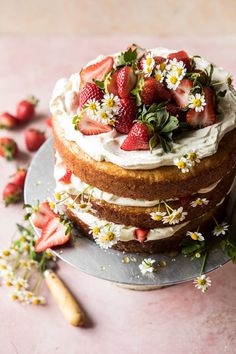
x,y
126,115
96,71
54,233
141,234
137,139
175,111
111,84
42,215
181,56
153,91
126,81
66,178
181,94
207,116
89,126
90,91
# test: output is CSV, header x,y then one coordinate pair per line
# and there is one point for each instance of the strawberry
x,y
182,92
126,81
207,116
96,71
25,109
111,84
89,126
34,139
42,214
141,234
159,60
89,92
8,148
181,56
175,111
66,178
7,121
54,233
137,139
153,91
12,194
139,50
126,115
48,122
19,177
185,200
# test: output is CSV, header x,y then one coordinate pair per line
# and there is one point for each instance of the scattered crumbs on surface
x,y
173,260
125,259
133,259
103,268
38,183
162,264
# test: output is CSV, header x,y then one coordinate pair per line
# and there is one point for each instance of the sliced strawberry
x,y
111,84
181,94
185,200
54,233
175,111
90,91
139,50
181,56
7,121
66,178
141,235
153,91
19,177
89,126
137,139
42,215
126,80
126,115
96,71
12,194
207,116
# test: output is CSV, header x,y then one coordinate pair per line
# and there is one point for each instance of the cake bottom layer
x,y
204,224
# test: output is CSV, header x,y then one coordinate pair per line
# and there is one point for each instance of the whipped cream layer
x,y
76,186
106,146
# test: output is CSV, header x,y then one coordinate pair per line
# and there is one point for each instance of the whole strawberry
x,y
138,138
12,194
111,84
7,121
90,91
126,115
8,148
34,139
126,81
18,178
153,91
25,109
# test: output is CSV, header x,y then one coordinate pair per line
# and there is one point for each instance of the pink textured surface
x,y
177,319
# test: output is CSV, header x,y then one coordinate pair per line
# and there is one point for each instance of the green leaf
x,y
171,125
100,84
127,58
190,247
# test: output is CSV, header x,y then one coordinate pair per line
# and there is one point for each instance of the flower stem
x,y
204,262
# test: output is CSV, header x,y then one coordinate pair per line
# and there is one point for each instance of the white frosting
x,y
106,146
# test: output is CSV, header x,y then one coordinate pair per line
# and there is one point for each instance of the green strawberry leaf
x,y
100,84
127,58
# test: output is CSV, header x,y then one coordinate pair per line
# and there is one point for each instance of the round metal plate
x,y
113,265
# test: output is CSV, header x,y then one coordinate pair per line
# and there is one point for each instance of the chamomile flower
x,y
220,229
148,64
183,164
176,66
105,116
175,217
159,75
193,158
158,215
38,300
172,80
202,283
8,254
20,283
84,206
199,202
147,266
196,236
197,102
111,103
94,230
92,107
108,236
162,66
15,295
5,267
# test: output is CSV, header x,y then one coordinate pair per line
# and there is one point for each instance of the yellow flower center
x,y
36,302
179,71
71,206
92,106
173,80
58,196
9,283
83,205
181,164
14,297
52,205
29,295
177,216
110,103
109,236
158,77
197,102
6,253
158,217
96,231
26,248
23,239
162,66
201,282
194,236
149,70
104,115
3,266
149,61
192,156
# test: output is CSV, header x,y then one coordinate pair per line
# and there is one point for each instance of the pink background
x,y
178,319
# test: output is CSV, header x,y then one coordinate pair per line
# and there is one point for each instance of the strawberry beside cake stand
x,y
115,266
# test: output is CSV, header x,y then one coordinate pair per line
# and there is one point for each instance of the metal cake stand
x,y
117,267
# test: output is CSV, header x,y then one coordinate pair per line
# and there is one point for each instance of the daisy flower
x,y
162,66
199,202
111,103
202,283
193,158
159,75
183,164
158,215
172,80
196,236
92,106
94,230
147,266
197,102
104,116
38,300
220,229
178,67
84,206
108,236
175,217
148,64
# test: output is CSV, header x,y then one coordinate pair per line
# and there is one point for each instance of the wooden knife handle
x,y
64,299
